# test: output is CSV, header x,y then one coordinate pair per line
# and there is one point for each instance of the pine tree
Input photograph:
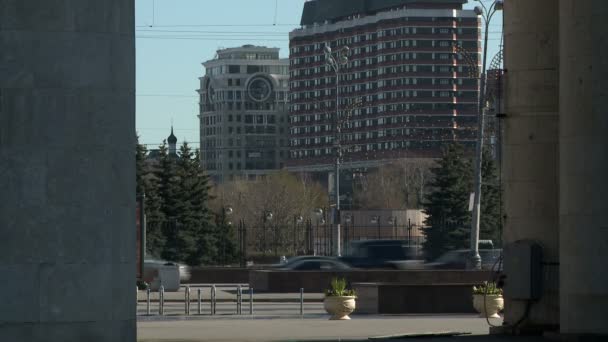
x,y
140,168
189,230
147,184
448,221
490,201
203,232
168,191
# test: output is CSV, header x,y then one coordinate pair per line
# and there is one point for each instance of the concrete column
x,y
530,166
67,178
583,166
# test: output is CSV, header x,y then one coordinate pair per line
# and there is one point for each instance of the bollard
x,y
200,300
148,300
239,300
251,300
301,301
213,299
187,300
161,300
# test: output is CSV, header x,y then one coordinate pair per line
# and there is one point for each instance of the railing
x,y
209,307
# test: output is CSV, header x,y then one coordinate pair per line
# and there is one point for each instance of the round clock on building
x,y
210,92
259,89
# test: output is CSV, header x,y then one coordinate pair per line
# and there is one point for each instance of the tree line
x,y
187,220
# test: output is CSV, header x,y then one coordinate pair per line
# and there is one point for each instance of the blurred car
x,y
322,264
295,259
184,270
457,259
391,254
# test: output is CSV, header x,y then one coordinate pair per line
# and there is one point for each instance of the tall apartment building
x,y
417,93
244,113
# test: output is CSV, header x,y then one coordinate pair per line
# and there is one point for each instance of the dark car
x,y
324,264
388,254
295,259
457,259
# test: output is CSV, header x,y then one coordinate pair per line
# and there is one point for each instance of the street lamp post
x,y
486,13
227,212
266,216
348,231
319,213
409,232
337,59
376,220
392,220
297,219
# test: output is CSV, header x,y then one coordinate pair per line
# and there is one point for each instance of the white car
x,y
169,274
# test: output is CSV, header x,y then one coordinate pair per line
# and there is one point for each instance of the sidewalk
x,y
311,329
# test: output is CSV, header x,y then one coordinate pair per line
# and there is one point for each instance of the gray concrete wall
x,y
67,178
583,166
531,152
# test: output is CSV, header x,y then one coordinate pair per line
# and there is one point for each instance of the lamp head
x,y
478,10
327,49
499,5
319,212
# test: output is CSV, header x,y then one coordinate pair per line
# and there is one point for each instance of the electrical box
x,y
523,270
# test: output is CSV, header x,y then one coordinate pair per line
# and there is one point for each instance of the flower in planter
x,y
487,300
339,300
339,288
487,288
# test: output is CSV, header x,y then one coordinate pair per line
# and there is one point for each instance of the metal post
x,y
161,300
200,300
251,300
338,249
148,300
475,259
409,232
239,294
301,301
187,300
213,299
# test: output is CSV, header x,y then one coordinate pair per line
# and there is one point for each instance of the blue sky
x,y
175,36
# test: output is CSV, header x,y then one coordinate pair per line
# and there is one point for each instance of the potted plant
x,y
339,301
487,300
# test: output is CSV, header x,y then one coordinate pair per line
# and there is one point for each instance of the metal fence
x,y
267,242
312,238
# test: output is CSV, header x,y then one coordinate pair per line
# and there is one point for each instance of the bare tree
x,y
290,199
398,185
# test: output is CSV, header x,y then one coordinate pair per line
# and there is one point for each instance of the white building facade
x,y
244,113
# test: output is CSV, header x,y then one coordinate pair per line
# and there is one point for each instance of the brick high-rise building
x,y
417,93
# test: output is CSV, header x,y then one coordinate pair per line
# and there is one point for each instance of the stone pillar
x,y
67,178
530,166
583,166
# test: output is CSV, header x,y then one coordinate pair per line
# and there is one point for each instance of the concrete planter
x,y
339,307
493,304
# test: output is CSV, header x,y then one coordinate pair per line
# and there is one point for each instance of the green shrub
x,y
339,288
142,285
